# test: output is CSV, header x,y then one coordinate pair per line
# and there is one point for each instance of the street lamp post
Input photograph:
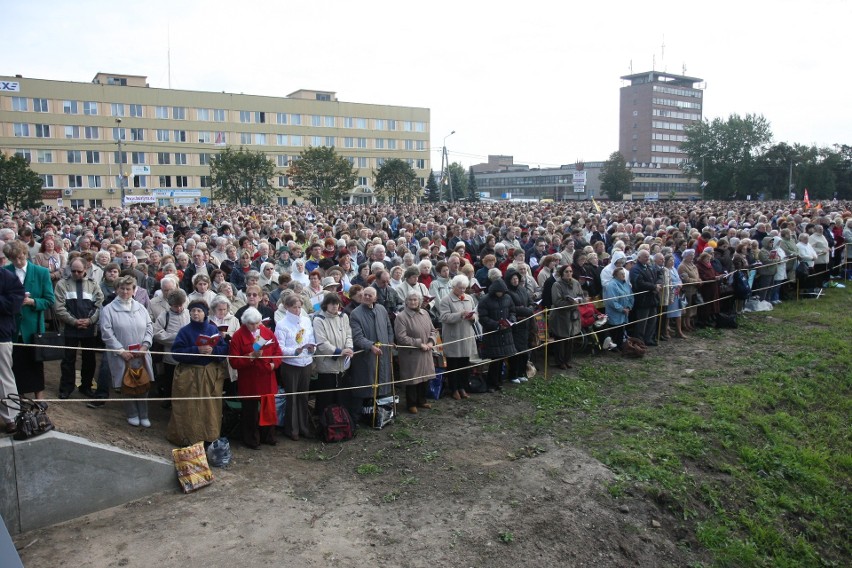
x,y
121,178
445,169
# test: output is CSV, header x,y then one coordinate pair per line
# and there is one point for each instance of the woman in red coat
x,y
255,354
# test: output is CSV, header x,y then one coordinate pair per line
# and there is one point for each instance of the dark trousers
x,y
69,364
645,326
563,349
415,395
29,373
296,380
518,366
458,380
326,381
165,381
253,433
495,372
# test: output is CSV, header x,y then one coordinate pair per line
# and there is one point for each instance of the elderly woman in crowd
x,y
255,355
127,331
227,290
50,258
670,298
457,314
268,280
166,327
564,322
198,349
688,273
411,284
295,335
618,301
240,271
820,245
708,304
807,256
227,324
333,336
415,337
38,289
521,329
496,312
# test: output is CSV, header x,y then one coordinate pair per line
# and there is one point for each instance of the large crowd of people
x,y
230,301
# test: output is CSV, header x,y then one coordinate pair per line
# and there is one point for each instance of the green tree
x,y
20,187
458,175
433,192
322,176
615,177
396,182
472,190
729,153
242,176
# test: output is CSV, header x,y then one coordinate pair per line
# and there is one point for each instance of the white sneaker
x,y
145,423
516,380
133,421
608,344
523,379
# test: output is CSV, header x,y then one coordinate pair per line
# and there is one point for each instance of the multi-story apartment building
x,y
655,109
70,132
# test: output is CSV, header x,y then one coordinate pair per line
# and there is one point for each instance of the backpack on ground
x,y
335,424
726,321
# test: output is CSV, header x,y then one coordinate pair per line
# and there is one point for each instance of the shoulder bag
x,y
49,344
32,419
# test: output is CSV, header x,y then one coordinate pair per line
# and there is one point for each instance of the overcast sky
x,y
536,80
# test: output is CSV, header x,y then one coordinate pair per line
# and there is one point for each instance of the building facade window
x,y
296,119
21,130
119,133
44,156
180,135
136,110
75,181
203,159
93,157
245,138
281,118
260,139
218,115
117,109
161,112
137,134
245,116
72,132
69,107
180,158
205,181
46,180
296,140
42,130
20,104
24,153
92,132
165,181
95,181
137,158
181,181
90,108
163,158
179,113
140,181
162,135
40,105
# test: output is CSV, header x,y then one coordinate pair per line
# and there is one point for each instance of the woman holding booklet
x,y
198,350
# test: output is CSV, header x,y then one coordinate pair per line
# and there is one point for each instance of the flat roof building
x,y
69,131
655,108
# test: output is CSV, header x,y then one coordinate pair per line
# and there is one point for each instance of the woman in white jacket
x,y
295,335
333,335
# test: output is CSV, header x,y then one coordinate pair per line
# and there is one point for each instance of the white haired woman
x,y
457,314
415,337
295,335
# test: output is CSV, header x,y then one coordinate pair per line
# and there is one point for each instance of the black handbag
x,y
32,419
48,345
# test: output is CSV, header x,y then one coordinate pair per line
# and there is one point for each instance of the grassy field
x,y
741,435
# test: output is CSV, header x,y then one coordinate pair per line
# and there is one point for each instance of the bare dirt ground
x,y
452,486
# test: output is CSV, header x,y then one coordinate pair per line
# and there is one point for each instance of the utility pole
x,y
445,166
790,179
121,178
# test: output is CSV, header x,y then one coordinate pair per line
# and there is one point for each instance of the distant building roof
x,y
661,77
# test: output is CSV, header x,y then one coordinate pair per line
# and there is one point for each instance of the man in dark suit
x,y
11,300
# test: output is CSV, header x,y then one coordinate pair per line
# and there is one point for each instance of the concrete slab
x,y
8,487
62,477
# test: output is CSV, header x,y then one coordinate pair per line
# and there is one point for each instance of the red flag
x,y
807,200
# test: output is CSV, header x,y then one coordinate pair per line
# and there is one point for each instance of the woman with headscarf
x,y
268,280
333,335
298,274
496,313
521,329
779,257
416,336
411,284
199,378
688,273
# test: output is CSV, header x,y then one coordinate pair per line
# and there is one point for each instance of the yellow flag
x,y
595,203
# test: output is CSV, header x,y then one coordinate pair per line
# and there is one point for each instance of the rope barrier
x,y
393,381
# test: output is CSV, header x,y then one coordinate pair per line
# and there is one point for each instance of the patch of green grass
x,y
314,454
752,449
430,456
368,469
506,537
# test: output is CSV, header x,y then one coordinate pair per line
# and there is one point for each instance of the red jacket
x,y
255,376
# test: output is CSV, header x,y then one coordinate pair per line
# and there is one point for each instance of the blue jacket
x,y
185,343
617,296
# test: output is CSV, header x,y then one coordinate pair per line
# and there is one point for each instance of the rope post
x,y
376,389
660,323
546,341
393,384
